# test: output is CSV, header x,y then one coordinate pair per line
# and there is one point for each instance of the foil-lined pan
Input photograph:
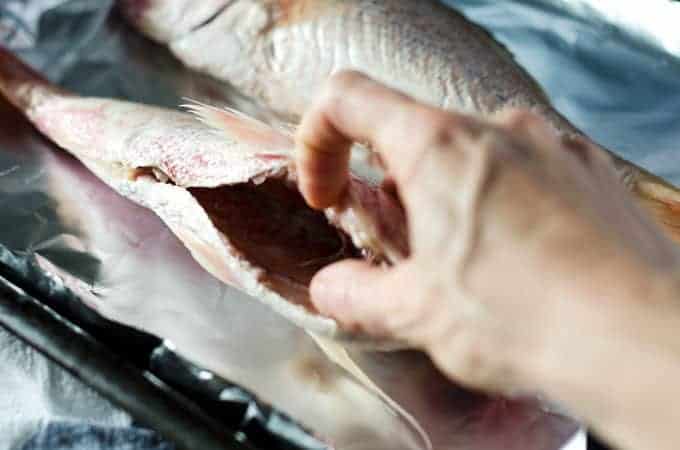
x,y
47,308
62,231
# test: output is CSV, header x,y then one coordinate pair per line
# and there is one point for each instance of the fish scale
x,y
212,179
425,49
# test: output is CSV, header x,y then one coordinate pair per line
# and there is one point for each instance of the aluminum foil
x,y
120,259
612,67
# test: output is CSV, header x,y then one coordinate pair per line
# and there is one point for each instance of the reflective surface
x,y
620,89
618,81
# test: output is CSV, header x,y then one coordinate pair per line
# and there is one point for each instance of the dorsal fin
x,y
21,84
236,125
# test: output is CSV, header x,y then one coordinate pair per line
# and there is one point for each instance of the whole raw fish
x,y
176,299
222,184
281,51
150,282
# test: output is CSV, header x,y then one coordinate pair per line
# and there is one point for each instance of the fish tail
x,y
20,84
656,196
661,199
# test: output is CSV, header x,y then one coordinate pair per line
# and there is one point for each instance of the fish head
x,y
188,25
224,184
167,21
254,45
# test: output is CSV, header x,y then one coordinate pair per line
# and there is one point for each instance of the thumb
x,y
363,298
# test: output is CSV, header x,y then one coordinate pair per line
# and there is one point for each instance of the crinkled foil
x,y
612,67
617,84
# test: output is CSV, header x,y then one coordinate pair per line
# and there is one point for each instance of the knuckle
x,y
437,129
528,123
347,77
436,134
579,147
343,82
442,129
520,118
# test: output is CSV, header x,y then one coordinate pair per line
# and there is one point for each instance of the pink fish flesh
x,y
223,184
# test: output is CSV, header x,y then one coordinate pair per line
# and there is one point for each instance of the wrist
x,y
613,357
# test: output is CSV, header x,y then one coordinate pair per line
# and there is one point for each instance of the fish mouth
x,y
267,223
271,226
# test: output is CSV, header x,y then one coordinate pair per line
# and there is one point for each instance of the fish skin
x,y
280,52
281,365
125,143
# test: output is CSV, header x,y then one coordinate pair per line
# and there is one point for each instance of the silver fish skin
x,y
223,185
280,52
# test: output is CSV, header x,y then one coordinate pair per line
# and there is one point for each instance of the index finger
x,y
355,108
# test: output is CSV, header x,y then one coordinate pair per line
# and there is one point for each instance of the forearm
x,y
616,364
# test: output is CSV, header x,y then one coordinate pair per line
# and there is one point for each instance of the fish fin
x,y
18,82
663,201
656,196
237,125
338,354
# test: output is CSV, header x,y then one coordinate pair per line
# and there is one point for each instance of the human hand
x,y
513,231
